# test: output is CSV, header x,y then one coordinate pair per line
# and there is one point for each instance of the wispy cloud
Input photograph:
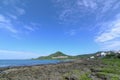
x,y
32,27
12,16
10,2
10,19
116,6
9,54
29,28
110,45
20,11
87,4
107,5
105,14
109,35
71,32
15,8
2,19
6,24
73,11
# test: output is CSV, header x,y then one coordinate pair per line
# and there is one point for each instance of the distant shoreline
x,y
21,66
22,63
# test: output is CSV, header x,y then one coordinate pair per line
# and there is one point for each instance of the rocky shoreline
x,y
74,70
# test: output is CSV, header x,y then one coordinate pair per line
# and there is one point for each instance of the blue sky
x,y
32,28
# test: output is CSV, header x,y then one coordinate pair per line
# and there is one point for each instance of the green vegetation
x,y
77,75
108,69
84,56
57,54
111,69
80,69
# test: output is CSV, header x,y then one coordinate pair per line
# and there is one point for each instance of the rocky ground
x,y
75,70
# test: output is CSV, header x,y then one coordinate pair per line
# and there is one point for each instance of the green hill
x,y
60,55
56,55
84,56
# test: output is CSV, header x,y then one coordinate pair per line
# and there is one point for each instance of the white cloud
x,y
87,3
109,35
104,13
6,24
14,8
10,28
76,10
32,27
12,16
8,2
72,32
20,11
29,28
111,45
107,5
117,5
10,22
2,19
112,32
8,54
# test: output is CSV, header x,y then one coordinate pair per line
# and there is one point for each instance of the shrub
x,y
112,55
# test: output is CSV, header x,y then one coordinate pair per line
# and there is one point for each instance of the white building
x,y
103,54
92,57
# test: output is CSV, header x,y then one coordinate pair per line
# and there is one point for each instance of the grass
x,y
77,75
111,69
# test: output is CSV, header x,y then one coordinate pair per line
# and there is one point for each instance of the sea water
x,y
12,63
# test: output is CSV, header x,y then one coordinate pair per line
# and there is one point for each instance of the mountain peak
x,y
58,53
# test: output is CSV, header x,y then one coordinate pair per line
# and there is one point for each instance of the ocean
x,y
12,63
